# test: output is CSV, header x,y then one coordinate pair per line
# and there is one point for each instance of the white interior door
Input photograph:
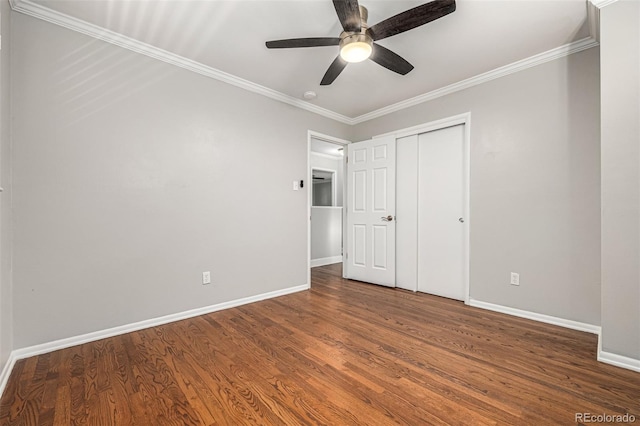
x,y
371,195
441,228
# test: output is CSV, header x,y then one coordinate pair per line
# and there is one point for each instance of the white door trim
x,y
465,119
430,126
332,139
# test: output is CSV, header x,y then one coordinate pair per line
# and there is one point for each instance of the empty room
x,y
347,212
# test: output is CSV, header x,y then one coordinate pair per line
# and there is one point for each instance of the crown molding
x,y
593,20
41,12
602,3
515,67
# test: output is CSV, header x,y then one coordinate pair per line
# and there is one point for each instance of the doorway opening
x,y
326,166
323,188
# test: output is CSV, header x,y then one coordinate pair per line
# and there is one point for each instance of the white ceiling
x,y
480,36
327,148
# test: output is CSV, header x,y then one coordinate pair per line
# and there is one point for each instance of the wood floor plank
x,y
359,381
342,353
285,381
302,372
241,370
210,400
159,381
402,354
385,369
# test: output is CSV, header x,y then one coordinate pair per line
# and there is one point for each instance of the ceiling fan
x,y
357,41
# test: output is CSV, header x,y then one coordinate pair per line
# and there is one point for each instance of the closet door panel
x,y
407,213
440,211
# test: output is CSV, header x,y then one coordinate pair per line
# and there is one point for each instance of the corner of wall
x,y
620,187
6,302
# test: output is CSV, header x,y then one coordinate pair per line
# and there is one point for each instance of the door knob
x,y
387,218
461,220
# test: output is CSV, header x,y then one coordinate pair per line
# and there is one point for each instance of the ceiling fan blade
x,y
390,60
303,42
411,19
334,71
349,14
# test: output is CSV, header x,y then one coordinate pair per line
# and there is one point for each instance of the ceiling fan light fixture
x,y
356,48
357,40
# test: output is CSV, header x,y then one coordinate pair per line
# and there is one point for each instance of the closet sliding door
x,y
430,204
440,212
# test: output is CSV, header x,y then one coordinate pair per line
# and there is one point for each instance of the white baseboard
x,y
548,319
6,372
55,345
325,261
617,360
606,357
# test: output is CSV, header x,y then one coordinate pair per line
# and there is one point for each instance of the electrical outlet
x,y
206,277
515,278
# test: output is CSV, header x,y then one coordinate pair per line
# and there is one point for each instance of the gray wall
x,y
535,184
132,177
620,67
6,305
326,232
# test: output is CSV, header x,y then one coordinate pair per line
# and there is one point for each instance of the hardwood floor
x,y
343,353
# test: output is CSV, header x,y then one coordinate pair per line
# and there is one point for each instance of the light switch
x,y
296,185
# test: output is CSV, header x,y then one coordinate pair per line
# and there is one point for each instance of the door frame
x,y
455,120
327,138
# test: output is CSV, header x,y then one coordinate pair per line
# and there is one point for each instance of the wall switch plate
x,y
296,185
515,278
206,277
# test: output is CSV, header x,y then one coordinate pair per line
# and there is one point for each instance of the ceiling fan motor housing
x,y
358,38
348,38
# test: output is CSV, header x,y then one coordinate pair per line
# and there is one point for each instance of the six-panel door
x,y
371,215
